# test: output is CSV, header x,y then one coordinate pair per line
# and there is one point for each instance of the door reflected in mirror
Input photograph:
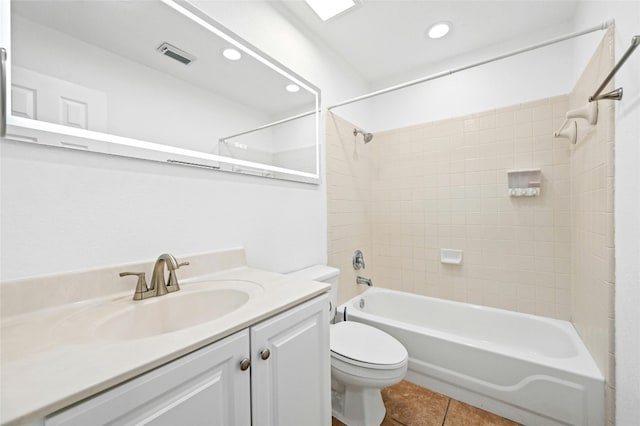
x,y
165,81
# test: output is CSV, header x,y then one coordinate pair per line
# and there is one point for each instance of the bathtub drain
x,y
361,303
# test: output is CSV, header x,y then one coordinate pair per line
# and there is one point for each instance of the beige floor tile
x,y
461,414
413,405
336,422
408,404
386,422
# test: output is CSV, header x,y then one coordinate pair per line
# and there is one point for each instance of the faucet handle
x,y
358,260
141,285
173,285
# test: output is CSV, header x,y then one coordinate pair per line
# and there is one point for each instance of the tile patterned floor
x,y
411,405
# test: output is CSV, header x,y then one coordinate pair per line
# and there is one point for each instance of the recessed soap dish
x,y
451,256
524,183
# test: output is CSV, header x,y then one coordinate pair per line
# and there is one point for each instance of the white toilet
x,y
364,360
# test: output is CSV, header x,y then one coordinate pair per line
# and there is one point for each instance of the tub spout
x,y
363,280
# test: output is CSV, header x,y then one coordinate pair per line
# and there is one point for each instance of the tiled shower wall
x,y
444,185
592,244
349,171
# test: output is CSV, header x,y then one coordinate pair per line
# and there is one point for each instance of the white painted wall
x,y
64,210
627,203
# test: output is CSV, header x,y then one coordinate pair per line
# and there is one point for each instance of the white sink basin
x,y
122,318
172,312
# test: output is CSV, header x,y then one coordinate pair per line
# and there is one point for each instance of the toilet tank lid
x,y
317,273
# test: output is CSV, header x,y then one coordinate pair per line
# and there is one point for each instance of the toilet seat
x,y
365,346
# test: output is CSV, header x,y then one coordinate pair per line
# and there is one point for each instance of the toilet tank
x,y
325,274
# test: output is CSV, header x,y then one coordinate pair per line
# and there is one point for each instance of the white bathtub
x,y
530,369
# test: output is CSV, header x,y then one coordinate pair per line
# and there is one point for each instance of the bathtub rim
x,y
582,364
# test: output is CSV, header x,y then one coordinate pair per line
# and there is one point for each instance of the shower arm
x,y
365,135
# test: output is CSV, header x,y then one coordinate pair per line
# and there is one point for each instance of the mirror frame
x,y
45,133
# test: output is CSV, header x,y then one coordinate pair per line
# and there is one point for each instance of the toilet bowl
x,y
364,360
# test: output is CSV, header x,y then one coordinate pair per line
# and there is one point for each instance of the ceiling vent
x,y
175,53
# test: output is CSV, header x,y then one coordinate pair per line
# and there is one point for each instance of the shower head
x,y
366,136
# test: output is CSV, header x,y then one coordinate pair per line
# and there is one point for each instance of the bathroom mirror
x,y
158,80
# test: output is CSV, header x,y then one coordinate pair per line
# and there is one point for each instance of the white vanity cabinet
x,y
291,367
287,383
206,387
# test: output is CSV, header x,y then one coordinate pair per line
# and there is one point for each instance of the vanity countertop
x,y
52,358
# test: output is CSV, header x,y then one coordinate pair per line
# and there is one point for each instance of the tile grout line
x,y
444,419
398,421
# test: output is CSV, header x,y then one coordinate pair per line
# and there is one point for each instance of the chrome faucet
x,y
363,280
159,286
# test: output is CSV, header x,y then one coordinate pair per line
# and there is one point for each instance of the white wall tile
x,y
591,269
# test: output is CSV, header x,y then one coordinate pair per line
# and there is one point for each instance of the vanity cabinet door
x,y
291,383
206,387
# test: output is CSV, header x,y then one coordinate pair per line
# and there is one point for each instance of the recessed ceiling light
x,y
231,54
292,88
327,9
439,30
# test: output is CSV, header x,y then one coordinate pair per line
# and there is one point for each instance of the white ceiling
x,y
385,38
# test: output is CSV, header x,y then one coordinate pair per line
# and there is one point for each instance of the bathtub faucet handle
x,y
358,260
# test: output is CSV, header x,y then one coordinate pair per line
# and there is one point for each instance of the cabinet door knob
x,y
264,354
245,364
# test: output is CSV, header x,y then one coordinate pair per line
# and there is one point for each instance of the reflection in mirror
x,y
155,71
284,152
